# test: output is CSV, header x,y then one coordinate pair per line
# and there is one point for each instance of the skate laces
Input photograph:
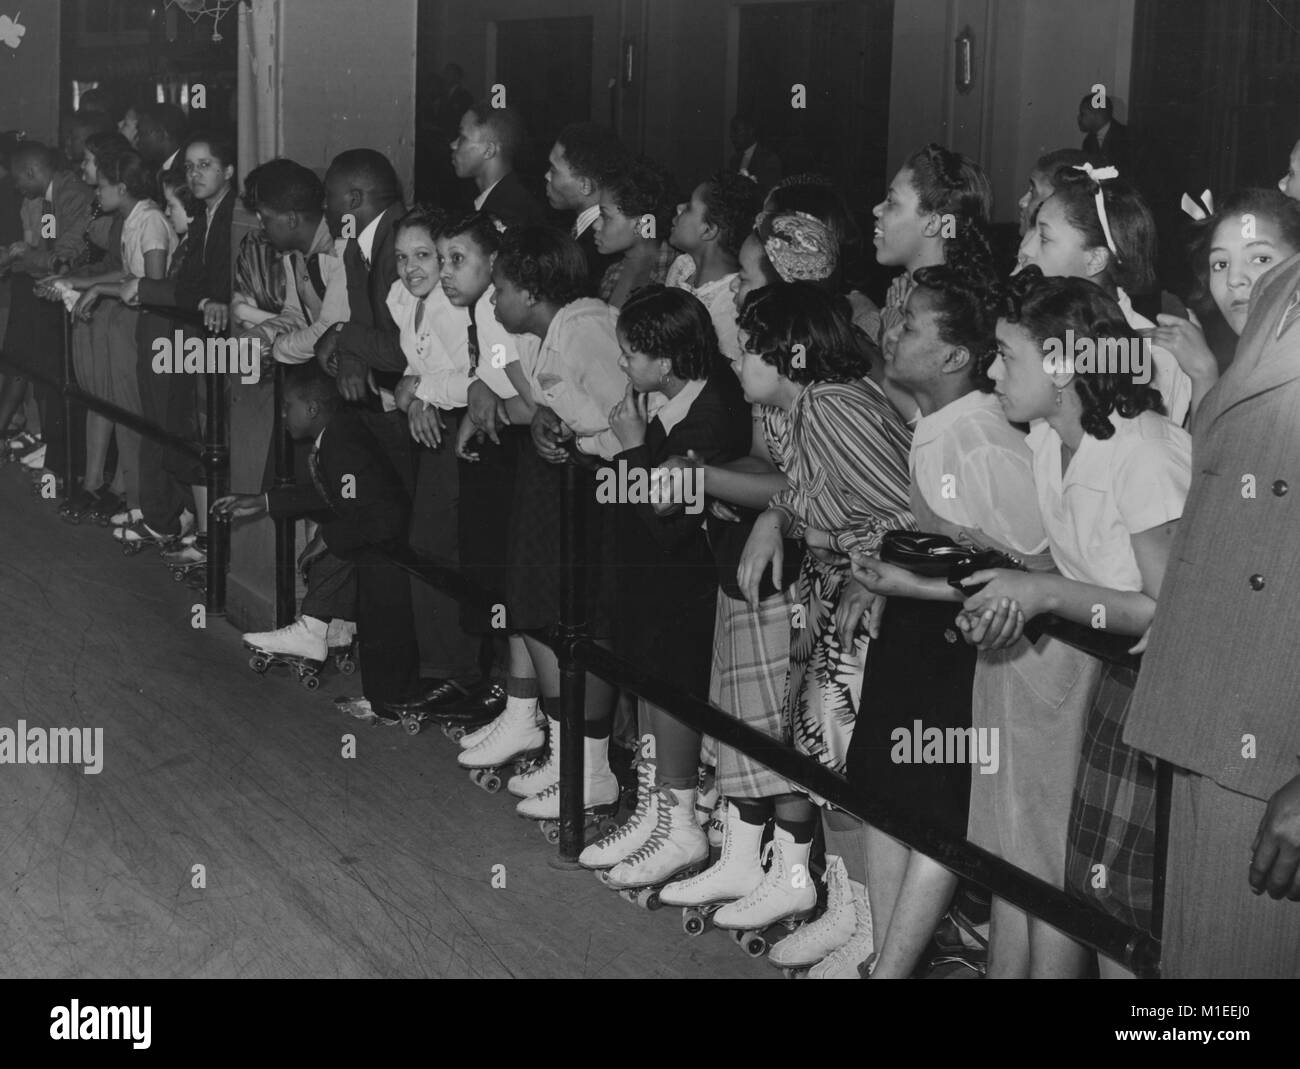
x,y
659,836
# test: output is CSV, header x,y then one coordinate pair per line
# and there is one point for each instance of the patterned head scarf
x,y
800,247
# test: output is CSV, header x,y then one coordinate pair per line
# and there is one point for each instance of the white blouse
x,y
1133,481
439,351
1167,377
716,296
145,230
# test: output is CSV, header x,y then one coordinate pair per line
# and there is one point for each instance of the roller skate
x,y
138,536
19,445
300,646
677,848
733,876
959,940
632,834
187,556
797,953
853,959
439,704
107,505
532,781
514,735
32,458
341,642
600,795
786,895
77,505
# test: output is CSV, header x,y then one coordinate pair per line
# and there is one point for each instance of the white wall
x,y
29,74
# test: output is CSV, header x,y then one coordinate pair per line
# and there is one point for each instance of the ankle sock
x,y
752,810
522,687
801,831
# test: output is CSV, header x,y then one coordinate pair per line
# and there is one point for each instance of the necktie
x,y
318,480
313,273
419,315
473,345
305,283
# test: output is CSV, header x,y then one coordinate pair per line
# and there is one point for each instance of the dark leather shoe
x,y
487,700
435,701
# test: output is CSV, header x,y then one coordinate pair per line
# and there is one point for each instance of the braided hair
x,y
948,183
1046,308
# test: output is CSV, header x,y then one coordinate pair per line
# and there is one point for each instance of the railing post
x,y
69,464
216,462
285,602
573,678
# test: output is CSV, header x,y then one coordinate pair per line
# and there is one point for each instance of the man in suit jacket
x,y
583,159
1106,136
55,213
484,150
1219,690
363,508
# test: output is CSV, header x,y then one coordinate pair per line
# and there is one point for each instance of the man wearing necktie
x,y
583,159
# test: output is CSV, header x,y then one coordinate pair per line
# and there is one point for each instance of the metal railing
x,y
213,452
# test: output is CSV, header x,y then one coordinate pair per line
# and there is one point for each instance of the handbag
x,y
937,556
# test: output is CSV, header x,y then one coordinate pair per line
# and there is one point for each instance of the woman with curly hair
x,y
845,460
636,213
1111,475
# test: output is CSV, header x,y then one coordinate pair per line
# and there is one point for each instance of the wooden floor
x,y
316,865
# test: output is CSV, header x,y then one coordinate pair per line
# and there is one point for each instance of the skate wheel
x,y
490,783
753,944
455,732
258,664
552,835
692,923
310,682
649,900
411,725
607,827
347,666
178,575
602,876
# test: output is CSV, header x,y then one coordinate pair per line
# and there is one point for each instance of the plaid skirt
x,y
824,685
1110,857
751,657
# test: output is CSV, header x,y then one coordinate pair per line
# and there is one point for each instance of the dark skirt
x,y
487,490
1110,852
535,578
917,690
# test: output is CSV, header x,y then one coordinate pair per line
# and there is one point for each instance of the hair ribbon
x,y
1099,175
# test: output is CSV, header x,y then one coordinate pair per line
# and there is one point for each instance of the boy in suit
x,y
1220,684
485,150
363,509
584,158
1106,136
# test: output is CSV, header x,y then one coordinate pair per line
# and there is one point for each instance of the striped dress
x,y
846,459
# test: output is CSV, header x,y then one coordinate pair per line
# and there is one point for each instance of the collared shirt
x,y
1133,481
746,158
974,469
49,191
211,214
585,218
295,332
145,230
481,199
574,371
716,296
438,352
366,239
1167,377
675,409
170,161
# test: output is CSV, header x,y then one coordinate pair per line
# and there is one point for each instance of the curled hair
x,y
1270,204
966,314
948,183
105,144
644,188
420,217
129,170
1132,265
220,144
478,226
173,179
777,318
730,203
671,324
1046,308
546,262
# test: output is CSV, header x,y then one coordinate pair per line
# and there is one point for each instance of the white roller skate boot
x,y
732,876
677,844
514,732
304,638
599,785
631,835
786,892
815,941
473,738
844,962
527,784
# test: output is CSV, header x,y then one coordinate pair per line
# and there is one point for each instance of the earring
x,y
1058,398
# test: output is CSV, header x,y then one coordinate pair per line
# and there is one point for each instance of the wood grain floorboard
x,y
316,865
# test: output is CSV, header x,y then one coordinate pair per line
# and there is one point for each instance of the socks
x,y
800,831
753,810
523,687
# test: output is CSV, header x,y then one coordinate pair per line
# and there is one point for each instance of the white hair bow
x,y
1199,211
1100,175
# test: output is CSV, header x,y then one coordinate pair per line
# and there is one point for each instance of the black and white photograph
x,y
650,489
